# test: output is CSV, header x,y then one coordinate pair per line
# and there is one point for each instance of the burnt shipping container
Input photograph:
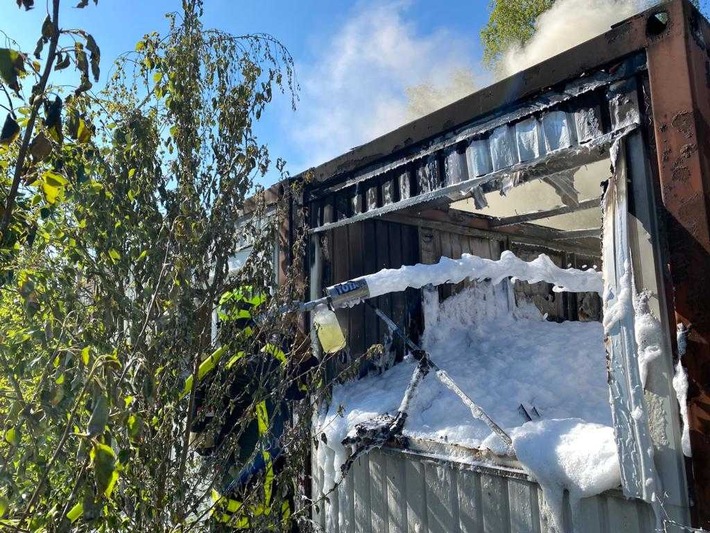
x,y
518,167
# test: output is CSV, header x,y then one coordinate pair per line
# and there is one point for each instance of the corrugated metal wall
x,y
388,491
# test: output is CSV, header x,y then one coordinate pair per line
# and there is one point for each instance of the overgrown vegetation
x,y
121,211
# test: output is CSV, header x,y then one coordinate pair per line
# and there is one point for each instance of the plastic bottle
x,y
328,329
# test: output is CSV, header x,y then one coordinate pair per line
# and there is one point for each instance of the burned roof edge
x,y
623,39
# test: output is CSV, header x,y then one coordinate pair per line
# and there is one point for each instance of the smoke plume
x,y
565,25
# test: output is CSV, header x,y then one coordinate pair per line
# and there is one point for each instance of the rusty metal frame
x,y
679,79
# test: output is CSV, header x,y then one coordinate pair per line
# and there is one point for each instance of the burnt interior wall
x,y
364,248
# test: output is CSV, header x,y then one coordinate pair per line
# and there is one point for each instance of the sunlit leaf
x,y
84,86
82,62
12,437
79,128
75,512
47,28
63,62
104,461
85,355
52,184
39,47
95,57
53,118
133,424
114,255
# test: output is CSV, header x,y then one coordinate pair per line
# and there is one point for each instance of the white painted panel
x,y
559,130
528,138
378,492
346,510
396,499
504,152
494,503
410,493
361,499
522,517
468,490
442,507
415,494
590,511
478,158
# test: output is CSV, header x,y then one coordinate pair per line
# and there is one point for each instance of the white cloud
x,y
357,88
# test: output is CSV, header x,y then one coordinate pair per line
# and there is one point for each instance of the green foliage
x,y
32,147
121,211
511,22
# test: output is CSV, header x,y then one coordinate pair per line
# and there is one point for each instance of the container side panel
x,y
680,92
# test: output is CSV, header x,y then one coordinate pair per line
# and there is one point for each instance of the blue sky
x,y
354,60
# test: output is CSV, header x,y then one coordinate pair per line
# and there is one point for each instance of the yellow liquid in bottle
x,y
328,329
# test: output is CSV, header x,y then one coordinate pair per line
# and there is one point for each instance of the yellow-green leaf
x,y
85,356
104,460
83,132
128,400
12,437
52,184
75,512
114,255
4,504
133,424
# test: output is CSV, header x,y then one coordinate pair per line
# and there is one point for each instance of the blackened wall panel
x,y
364,248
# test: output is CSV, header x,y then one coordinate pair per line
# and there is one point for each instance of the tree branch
x,y
24,147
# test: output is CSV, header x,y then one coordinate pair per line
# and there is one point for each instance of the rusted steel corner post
x,y
679,74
